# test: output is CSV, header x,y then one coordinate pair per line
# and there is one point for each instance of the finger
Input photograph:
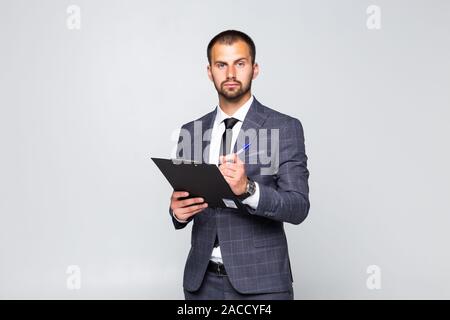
x,y
193,213
179,194
239,165
188,202
231,166
188,210
238,160
228,173
230,157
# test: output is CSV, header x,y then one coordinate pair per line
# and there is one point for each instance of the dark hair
x,y
229,37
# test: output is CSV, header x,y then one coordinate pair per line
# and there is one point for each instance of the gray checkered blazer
x,y
254,246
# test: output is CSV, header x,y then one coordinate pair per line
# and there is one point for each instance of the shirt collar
x,y
239,114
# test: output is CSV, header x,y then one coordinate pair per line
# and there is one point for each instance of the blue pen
x,y
243,148
240,151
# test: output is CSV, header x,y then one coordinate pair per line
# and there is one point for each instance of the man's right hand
x,y
184,209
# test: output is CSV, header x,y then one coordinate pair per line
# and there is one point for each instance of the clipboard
x,y
200,180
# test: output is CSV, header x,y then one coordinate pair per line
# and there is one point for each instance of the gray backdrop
x,y
82,110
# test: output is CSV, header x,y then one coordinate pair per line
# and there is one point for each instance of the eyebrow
x,y
218,61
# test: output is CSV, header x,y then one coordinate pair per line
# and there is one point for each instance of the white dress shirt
x,y
214,151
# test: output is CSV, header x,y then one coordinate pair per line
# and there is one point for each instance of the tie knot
x,y
230,122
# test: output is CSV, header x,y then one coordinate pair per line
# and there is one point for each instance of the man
x,y
236,255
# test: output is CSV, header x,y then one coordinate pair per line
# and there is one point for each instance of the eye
x,y
220,65
241,64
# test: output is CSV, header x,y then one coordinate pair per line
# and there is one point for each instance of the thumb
x,y
238,159
230,157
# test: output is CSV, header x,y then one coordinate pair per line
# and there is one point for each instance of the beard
x,y
235,93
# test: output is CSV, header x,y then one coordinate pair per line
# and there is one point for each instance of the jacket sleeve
x,y
177,224
289,200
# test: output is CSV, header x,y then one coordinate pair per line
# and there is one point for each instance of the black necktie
x,y
225,147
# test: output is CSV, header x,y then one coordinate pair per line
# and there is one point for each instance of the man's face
x,y
232,70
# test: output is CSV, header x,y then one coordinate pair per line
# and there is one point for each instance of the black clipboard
x,y
200,180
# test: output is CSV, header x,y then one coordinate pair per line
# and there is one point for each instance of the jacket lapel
x,y
254,119
207,125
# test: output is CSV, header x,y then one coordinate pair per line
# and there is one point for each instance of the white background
x,y
82,111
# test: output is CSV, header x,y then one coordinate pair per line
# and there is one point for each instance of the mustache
x,y
231,81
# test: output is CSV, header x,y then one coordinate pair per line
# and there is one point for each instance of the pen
x,y
245,147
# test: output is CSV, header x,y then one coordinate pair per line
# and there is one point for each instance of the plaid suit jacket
x,y
254,246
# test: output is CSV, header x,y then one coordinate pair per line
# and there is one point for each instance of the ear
x,y
208,67
255,70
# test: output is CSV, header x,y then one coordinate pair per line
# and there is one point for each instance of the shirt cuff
x,y
253,200
180,221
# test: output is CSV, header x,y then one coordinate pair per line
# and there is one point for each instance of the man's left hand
x,y
234,173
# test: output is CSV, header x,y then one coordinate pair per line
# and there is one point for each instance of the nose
x,y
231,72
